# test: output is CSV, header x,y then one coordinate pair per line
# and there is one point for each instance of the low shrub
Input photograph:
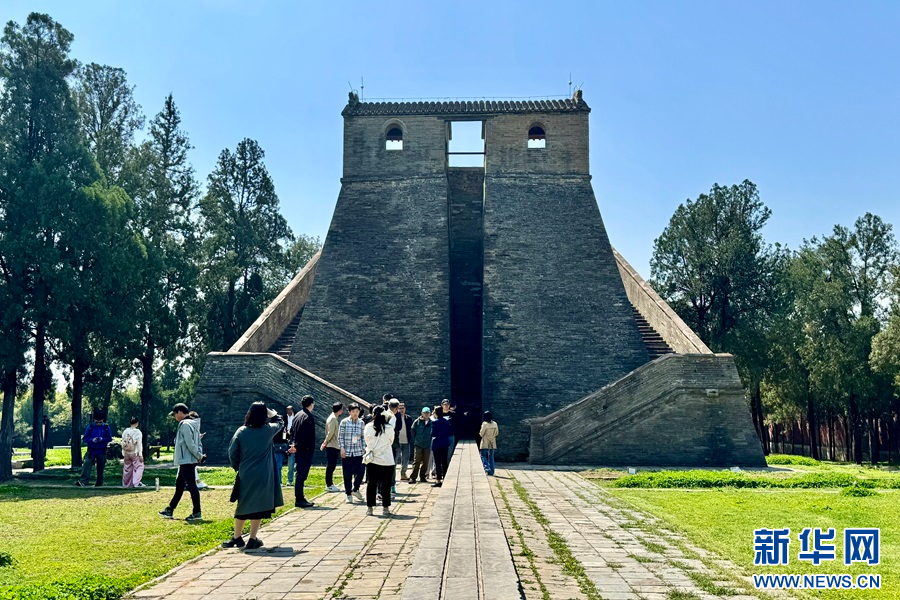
x,y
83,588
685,479
791,459
717,479
858,491
819,480
6,559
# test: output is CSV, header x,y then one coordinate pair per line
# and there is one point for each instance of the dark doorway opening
x,y
465,212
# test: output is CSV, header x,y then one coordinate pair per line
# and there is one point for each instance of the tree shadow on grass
x,y
13,492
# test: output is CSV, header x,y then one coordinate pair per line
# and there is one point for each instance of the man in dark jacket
x,y
421,441
303,445
97,436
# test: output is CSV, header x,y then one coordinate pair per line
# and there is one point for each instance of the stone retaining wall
x,y
232,381
679,410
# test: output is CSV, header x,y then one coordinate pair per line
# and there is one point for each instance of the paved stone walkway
x,y
526,533
626,555
464,554
331,551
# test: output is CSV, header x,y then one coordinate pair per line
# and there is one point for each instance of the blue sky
x,y
802,98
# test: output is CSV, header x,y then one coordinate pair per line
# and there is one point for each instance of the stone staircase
x,y
656,345
282,346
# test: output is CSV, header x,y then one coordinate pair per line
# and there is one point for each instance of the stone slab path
x,y
526,533
621,554
464,554
331,551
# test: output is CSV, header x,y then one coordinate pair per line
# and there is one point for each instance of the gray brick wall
x,y
231,382
377,319
557,322
679,410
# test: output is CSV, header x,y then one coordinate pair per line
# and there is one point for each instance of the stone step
x,y
655,343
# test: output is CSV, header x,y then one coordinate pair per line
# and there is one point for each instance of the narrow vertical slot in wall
x,y
465,212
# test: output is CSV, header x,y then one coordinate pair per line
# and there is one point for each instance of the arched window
x,y
394,138
536,137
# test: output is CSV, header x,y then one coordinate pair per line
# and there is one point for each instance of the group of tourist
x,y
98,436
370,448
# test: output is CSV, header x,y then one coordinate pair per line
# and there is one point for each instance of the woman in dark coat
x,y
250,454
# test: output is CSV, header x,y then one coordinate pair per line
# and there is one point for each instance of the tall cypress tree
x,y
244,236
161,180
110,116
44,166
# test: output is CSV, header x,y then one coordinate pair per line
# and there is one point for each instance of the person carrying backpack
x,y
97,436
133,455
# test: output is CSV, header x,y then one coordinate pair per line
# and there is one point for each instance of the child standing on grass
x,y
133,453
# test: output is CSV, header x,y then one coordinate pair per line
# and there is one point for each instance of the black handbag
x,y
235,491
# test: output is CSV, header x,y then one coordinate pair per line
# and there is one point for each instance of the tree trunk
x,y
759,421
229,334
813,425
147,393
848,442
876,441
831,435
79,366
857,426
890,438
6,424
40,385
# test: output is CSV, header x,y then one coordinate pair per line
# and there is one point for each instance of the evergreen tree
x,y
244,238
713,267
44,167
102,260
161,180
109,116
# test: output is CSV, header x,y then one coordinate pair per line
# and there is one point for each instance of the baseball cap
x,y
426,410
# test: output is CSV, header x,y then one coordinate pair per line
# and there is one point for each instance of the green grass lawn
x,y
100,543
723,520
721,510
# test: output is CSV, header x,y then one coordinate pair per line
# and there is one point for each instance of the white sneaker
x,y
349,499
333,488
385,512
201,485
358,496
139,485
369,512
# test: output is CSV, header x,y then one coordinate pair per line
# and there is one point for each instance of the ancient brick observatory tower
x,y
495,286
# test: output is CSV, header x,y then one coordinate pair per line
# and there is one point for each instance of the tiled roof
x,y
471,107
